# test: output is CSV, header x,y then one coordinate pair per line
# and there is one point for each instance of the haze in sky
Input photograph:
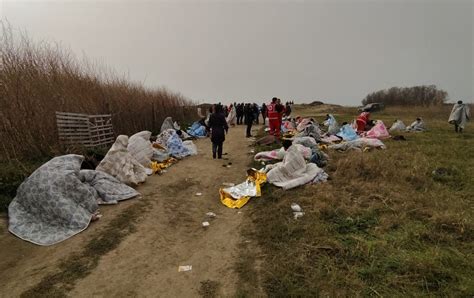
x,y
334,51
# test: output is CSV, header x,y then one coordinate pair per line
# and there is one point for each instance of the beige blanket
x,y
120,164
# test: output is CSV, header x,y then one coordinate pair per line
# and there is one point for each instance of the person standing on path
x,y
240,113
249,117
264,112
460,114
218,126
287,110
256,112
273,113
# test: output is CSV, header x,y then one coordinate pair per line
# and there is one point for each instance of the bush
x,y
417,96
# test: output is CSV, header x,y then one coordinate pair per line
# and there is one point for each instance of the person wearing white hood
x,y
459,116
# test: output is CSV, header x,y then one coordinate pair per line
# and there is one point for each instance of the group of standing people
x,y
222,117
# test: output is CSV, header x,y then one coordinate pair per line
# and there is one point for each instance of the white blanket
x,y
417,126
398,126
140,147
460,114
121,164
292,171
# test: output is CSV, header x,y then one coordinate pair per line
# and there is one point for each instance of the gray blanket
x,y
58,200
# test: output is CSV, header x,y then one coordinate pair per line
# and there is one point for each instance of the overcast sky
x,y
335,51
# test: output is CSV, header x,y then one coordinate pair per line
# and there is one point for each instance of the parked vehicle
x,y
372,107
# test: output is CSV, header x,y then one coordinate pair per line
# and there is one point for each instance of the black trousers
x,y
239,119
249,128
217,148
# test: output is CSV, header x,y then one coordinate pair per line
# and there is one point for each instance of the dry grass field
x,y
385,224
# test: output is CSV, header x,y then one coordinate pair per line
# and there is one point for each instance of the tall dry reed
x,y
39,78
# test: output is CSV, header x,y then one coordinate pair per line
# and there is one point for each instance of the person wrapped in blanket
x,y
417,126
364,123
459,116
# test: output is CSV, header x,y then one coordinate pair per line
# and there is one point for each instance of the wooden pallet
x,y
85,130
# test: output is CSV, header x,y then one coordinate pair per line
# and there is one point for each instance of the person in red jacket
x,y
362,121
274,111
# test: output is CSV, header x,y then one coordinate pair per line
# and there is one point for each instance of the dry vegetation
x,y
408,96
39,78
384,225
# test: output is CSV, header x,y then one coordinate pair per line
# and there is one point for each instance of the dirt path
x,y
168,234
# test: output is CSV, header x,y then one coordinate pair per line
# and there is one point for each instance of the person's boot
x,y
456,128
460,130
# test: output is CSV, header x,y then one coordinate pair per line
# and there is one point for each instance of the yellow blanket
x,y
237,196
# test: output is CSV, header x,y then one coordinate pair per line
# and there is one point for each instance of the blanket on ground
x,y
105,188
167,124
379,131
331,139
197,130
162,138
347,133
417,126
309,142
331,124
140,147
119,163
292,171
176,147
358,144
58,200
279,154
398,125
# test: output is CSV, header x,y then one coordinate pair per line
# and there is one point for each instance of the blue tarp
x,y
347,133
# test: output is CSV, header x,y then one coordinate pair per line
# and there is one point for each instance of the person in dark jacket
x,y
240,113
256,112
218,127
249,117
264,112
287,110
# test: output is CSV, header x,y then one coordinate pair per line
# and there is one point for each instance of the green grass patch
x,y
392,222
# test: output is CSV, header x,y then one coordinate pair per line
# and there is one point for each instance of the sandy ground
x,y
168,234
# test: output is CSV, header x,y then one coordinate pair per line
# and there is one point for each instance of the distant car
x,y
372,107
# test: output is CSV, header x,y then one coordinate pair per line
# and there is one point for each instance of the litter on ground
x,y
185,268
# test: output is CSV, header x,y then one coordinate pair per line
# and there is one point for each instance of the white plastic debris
x,y
295,207
199,194
252,151
185,268
205,224
211,214
297,215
